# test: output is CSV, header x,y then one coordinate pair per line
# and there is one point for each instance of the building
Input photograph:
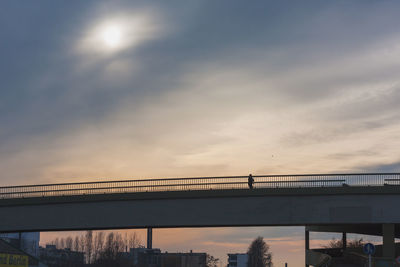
x,y
28,242
54,257
14,257
143,257
237,260
183,259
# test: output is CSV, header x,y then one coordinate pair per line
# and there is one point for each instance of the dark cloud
x,y
391,167
346,156
341,128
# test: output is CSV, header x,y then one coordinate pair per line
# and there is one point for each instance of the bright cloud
x,y
114,33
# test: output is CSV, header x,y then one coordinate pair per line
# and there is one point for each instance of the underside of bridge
x,y
388,232
362,229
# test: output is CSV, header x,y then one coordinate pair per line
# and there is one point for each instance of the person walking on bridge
x,y
250,181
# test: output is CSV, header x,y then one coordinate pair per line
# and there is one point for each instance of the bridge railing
x,y
199,183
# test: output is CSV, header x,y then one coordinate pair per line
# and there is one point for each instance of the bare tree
x,y
82,243
76,243
89,245
111,254
356,243
98,245
211,261
334,243
126,242
118,243
338,243
133,240
57,243
69,242
259,254
109,251
101,250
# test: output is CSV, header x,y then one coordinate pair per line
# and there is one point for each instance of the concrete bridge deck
x,y
237,207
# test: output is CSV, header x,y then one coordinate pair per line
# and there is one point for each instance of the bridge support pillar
x,y
149,238
307,244
388,240
19,240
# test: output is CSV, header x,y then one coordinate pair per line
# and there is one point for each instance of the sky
x,y
102,90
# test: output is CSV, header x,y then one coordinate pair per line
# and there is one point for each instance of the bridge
x,y
356,203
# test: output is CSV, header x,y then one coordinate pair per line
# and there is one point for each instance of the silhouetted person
x,y
250,181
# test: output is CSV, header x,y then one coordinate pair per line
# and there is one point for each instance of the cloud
x,y
383,168
217,119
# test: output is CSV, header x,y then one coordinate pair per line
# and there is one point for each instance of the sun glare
x,y
112,36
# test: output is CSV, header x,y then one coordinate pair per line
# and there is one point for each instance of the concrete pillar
x,y
20,240
307,244
344,241
149,238
388,240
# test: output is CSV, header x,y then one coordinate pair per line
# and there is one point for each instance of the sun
x,y
111,35
117,33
